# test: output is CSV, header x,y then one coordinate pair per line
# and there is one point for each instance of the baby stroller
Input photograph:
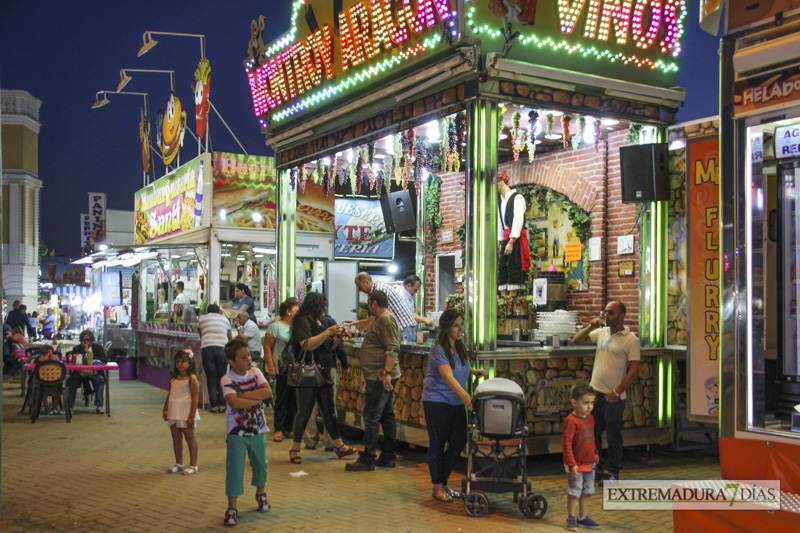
x,y
497,463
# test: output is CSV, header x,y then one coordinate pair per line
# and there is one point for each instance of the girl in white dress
x,y
180,410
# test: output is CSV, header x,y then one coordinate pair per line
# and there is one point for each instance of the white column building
x,y
19,116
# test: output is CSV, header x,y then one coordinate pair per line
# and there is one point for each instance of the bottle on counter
x,y
89,356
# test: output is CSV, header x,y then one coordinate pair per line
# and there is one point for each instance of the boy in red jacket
x,y
580,457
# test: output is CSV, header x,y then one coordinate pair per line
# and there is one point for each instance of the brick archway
x,y
558,174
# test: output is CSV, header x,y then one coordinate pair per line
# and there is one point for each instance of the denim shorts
x,y
583,484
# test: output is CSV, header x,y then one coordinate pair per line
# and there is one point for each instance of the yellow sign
x,y
572,251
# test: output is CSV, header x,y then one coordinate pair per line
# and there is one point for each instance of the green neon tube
x,y
668,399
661,389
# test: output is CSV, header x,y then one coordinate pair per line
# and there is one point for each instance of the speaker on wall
x,y
399,212
645,172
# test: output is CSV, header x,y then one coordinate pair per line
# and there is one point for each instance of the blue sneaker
x,y
588,523
572,523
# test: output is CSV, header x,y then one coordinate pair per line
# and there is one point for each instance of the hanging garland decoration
x,y
533,116
433,215
353,172
565,120
379,183
462,137
598,135
303,178
338,175
451,144
549,122
326,179
293,177
633,133
420,162
386,174
444,146
409,157
398,158
581,128
371,161
518,139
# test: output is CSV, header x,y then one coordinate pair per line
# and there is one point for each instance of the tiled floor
x,y
107,474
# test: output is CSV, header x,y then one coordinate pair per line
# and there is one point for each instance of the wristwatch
x,y
386,372
616,394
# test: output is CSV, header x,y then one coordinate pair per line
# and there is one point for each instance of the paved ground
x,y
104,474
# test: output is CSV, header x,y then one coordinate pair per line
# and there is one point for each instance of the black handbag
x,y
303,374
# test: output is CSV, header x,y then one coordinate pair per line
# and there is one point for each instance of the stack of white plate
x,y
562,323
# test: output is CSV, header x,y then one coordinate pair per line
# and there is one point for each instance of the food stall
x,y
757,382
424,107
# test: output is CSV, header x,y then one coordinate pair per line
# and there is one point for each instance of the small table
x,y
104,368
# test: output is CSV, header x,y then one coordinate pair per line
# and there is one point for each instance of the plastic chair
x,y
49,377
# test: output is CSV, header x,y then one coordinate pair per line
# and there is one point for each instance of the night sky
x,y
64,52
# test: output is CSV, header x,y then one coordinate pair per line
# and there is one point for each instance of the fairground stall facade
x,y
424,104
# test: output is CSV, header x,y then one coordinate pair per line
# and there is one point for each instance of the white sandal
x,y
175,469
190,470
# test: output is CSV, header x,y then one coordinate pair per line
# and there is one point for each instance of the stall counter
x,y
550,374
157,347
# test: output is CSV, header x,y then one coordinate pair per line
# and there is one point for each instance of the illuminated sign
x,y
244,190
632,40
170,205
361,230
787,141
332,49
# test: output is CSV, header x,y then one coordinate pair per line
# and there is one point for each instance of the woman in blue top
x,y
243,301
443,398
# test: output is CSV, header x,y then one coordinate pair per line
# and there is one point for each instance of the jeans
x,y
306,398
215,365
311,435
447,425
74,381
378,413
608,417
285,405
411,334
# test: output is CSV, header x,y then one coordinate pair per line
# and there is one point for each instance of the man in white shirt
x,y
616,367
249,333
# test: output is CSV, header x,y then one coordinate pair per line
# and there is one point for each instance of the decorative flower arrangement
x,y
455,301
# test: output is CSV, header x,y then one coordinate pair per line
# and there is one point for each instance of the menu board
x,y
111,288
170,205
244,191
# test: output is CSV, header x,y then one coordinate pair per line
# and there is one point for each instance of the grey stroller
x,y
497,462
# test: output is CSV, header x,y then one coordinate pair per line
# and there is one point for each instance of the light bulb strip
x,y
356,78
621,16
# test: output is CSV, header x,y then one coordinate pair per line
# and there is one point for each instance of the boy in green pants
x,y
244,388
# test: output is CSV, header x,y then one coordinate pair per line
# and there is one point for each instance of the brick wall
x,y
590,179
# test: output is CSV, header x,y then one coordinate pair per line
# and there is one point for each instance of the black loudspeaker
x,y
645,172
399,212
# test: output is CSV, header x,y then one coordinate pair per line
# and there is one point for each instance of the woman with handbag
x,y
275,339
312,344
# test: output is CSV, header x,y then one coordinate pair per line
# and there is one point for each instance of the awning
x,y
74,290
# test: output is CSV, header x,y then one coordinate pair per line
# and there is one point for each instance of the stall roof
x,y
133,255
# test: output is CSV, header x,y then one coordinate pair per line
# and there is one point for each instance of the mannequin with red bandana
x,y
512,238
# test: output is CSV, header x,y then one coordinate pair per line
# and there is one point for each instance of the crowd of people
x,y
305,333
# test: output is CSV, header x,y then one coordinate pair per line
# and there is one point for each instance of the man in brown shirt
x,y
378,356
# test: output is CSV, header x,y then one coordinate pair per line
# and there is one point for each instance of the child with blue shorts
x,y
580,457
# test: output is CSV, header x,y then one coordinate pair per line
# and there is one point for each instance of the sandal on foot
x,y
344,451
174,469
190,470
294,457
442,496
263,504
453,493
278,437
231,517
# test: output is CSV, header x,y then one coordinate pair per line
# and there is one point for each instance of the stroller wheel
x,y
533,506
476,504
